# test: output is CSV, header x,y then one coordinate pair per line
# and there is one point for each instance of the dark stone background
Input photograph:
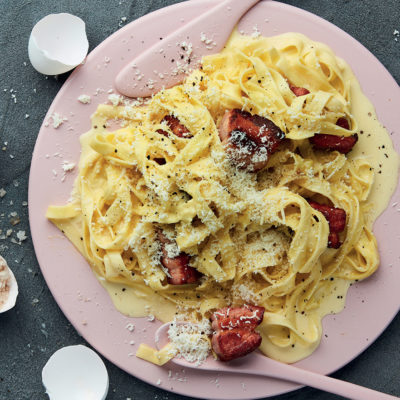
x,y
36,327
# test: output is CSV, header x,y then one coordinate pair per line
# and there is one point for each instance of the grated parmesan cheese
x,y
172,250
130,327
115,99
84,99
191,340
57,120
21,236
207,41
68,166
256,33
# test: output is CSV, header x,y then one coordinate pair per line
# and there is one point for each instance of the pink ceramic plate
x,y
69,277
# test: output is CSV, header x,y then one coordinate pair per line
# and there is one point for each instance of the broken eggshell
x,y
75,372
58,43
8,287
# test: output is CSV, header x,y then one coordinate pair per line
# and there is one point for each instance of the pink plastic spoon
x,y
165,63
257,364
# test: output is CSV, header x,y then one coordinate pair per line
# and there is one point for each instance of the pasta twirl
x,y
253,237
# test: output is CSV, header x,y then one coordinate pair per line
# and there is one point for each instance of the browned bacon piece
x,y
176,127
299,91
236,343
332,142
249,139
343,123
178,267
234,334
247,317
336,218
333,240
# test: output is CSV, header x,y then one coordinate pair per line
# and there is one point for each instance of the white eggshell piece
x,y
8,287
75,373
58,43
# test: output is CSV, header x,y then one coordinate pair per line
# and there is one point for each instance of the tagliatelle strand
x,y
253,237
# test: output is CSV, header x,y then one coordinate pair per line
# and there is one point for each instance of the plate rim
x,y
112,37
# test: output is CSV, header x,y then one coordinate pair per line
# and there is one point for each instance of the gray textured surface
x,y
36,327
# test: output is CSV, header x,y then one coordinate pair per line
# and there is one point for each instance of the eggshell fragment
x,y
58,43
8,287
75,372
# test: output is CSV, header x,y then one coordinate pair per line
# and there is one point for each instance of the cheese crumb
x,y
256,33
122,21
2,193
84,99
207,41
57,120
130,327
68,166
115,99
21,236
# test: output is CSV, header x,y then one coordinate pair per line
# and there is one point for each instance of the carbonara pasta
x,y
252,237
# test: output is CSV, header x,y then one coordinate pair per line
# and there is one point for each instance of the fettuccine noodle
x,y
253,236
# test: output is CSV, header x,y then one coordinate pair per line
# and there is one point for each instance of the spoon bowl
x,y
166,63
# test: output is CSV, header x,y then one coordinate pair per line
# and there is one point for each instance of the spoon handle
x,y
257,364
319,381
164,63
